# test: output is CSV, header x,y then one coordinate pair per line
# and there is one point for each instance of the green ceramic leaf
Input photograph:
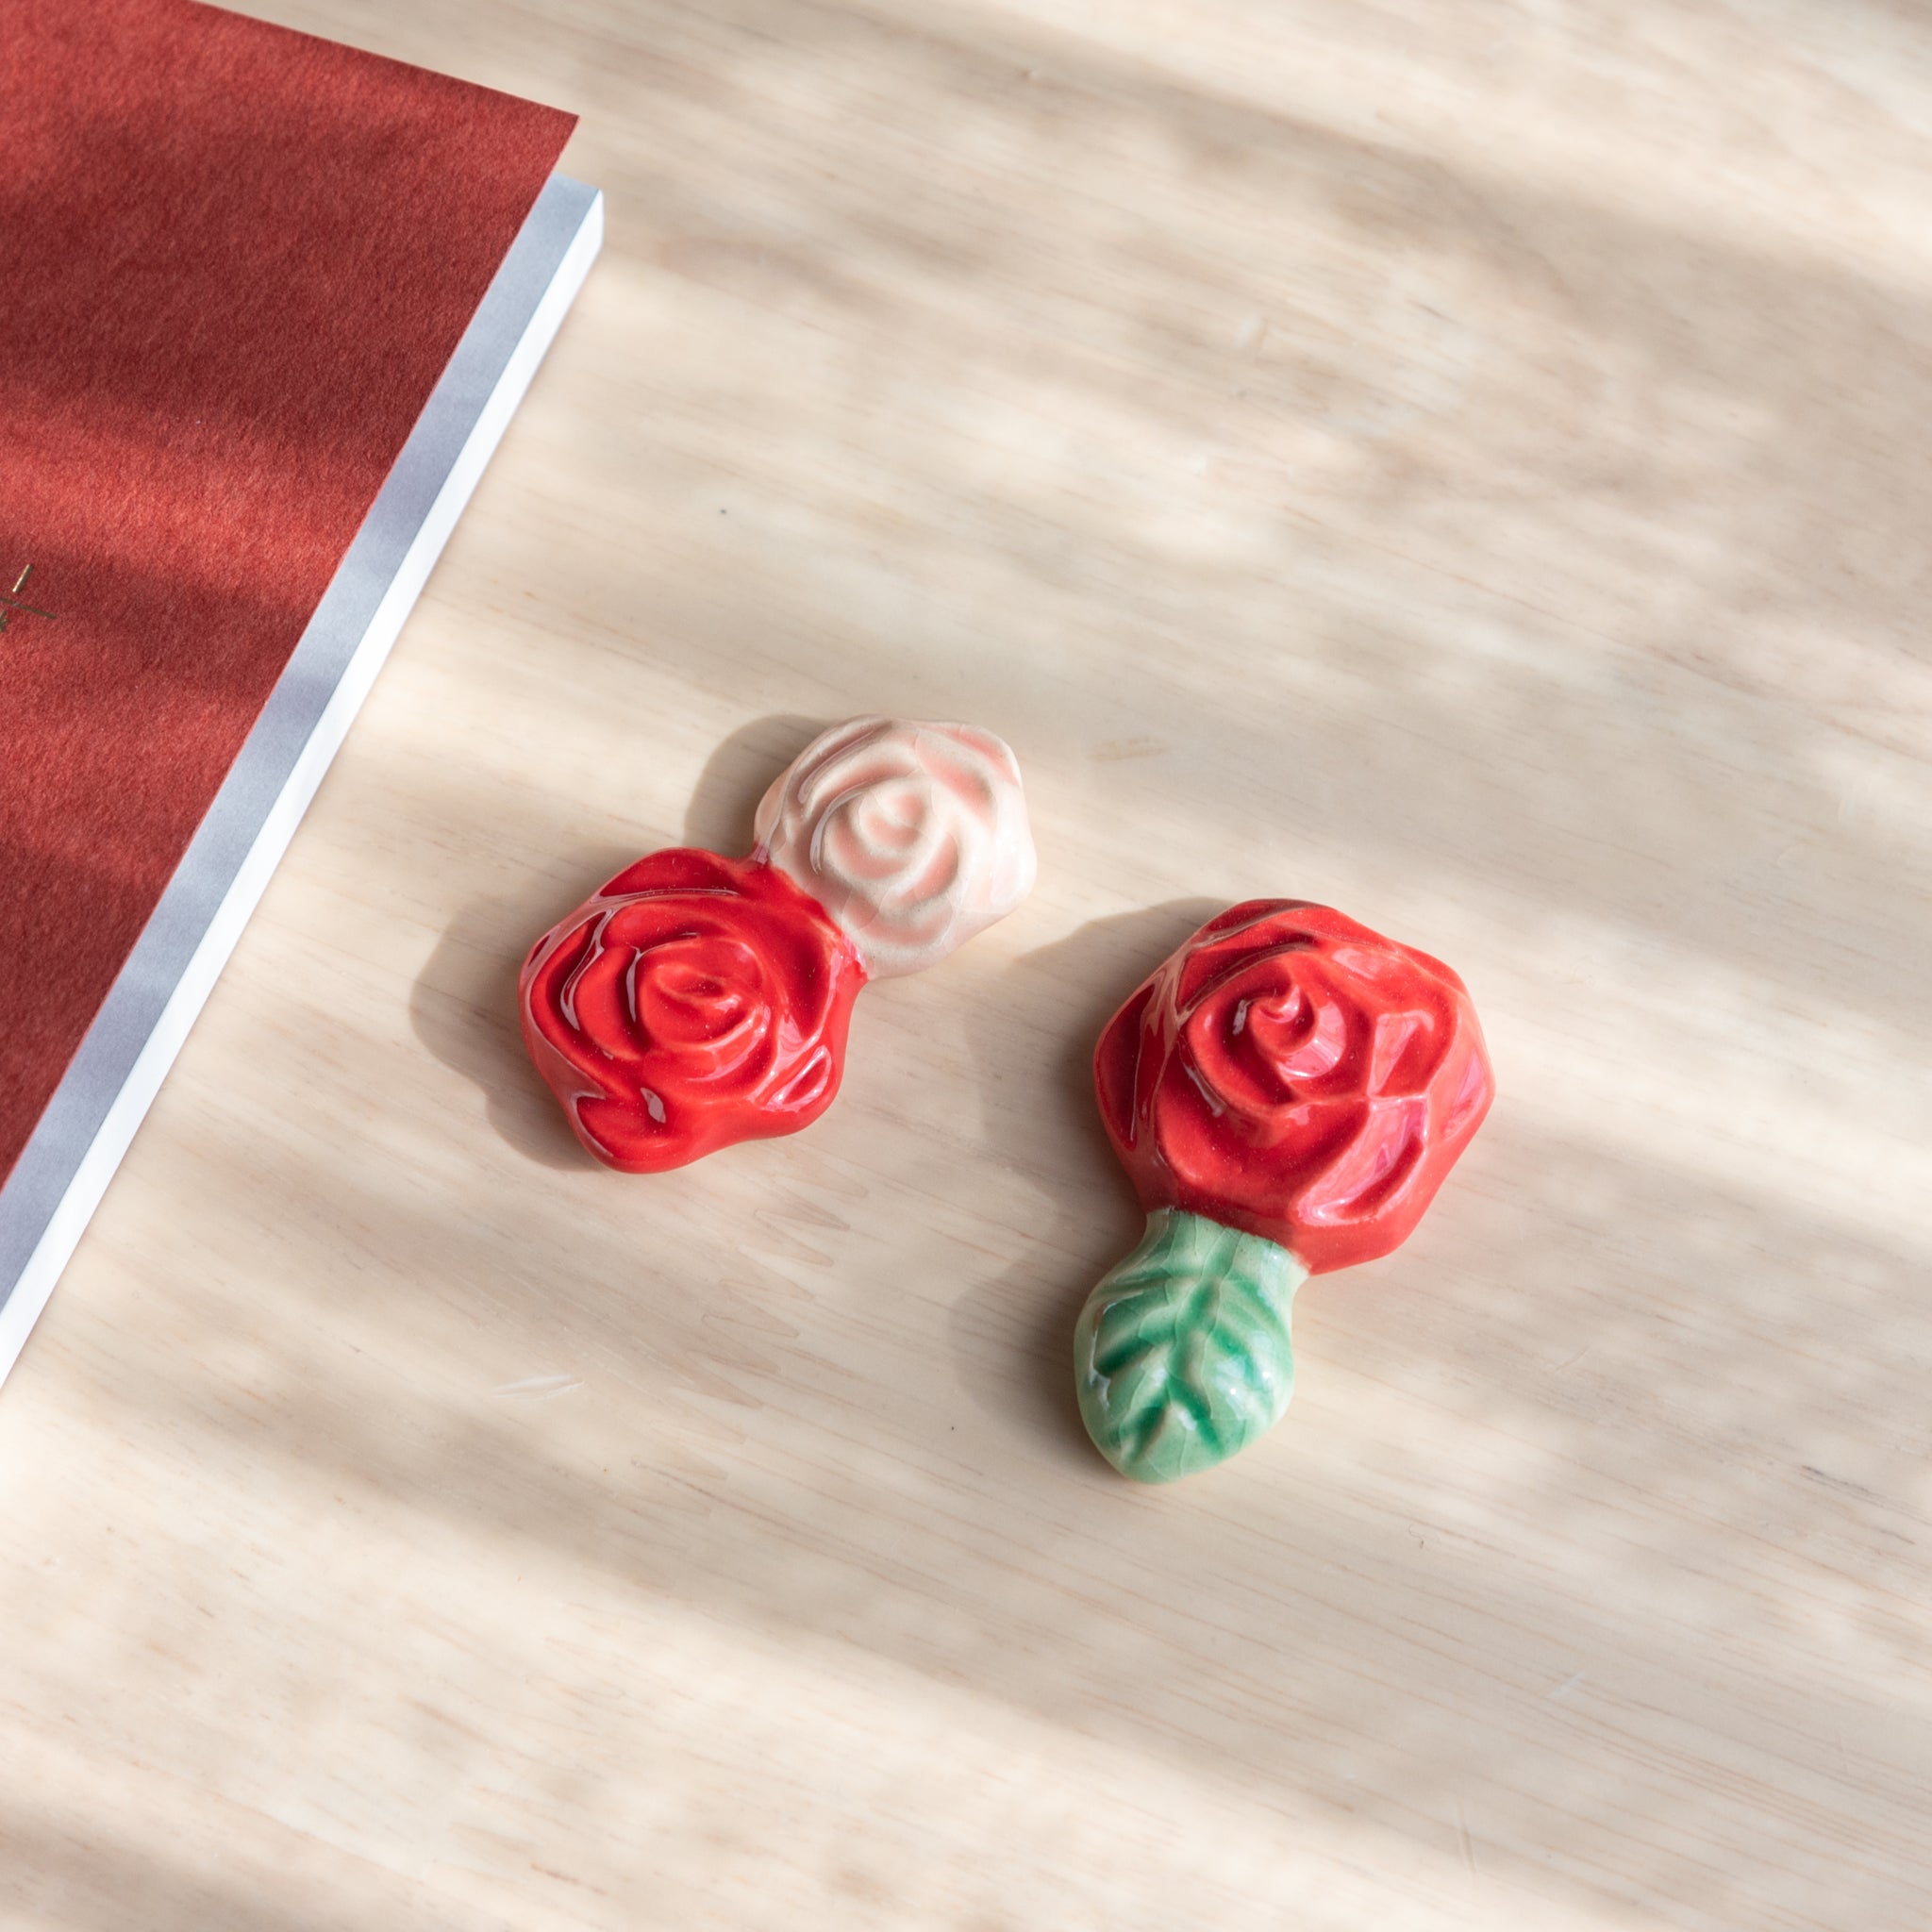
x,y
1182,1353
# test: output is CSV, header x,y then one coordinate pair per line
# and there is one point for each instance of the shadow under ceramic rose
x,y
738,774
1011,1334
463,1009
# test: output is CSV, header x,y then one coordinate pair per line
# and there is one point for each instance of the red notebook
x,y
268,303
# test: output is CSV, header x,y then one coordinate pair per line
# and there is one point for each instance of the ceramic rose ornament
x,y
695,1001
1287,1094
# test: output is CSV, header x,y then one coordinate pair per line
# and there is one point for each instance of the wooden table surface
x,y
1465,463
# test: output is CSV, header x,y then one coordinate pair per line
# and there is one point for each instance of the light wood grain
x,y
1466,463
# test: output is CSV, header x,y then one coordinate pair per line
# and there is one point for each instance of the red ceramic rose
x,y
1290,1073
693,1002
1287,1094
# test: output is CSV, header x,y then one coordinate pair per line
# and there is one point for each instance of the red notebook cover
x,y
234,260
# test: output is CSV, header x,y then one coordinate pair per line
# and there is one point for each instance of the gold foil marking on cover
x,y
12,604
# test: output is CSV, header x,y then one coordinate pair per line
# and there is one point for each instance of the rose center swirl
x,y
700,995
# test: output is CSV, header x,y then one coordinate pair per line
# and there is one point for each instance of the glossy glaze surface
x,y
1289,1072
693,1002
1182,1355
912,836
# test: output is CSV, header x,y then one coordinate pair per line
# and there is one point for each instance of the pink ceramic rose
x,y
913,836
